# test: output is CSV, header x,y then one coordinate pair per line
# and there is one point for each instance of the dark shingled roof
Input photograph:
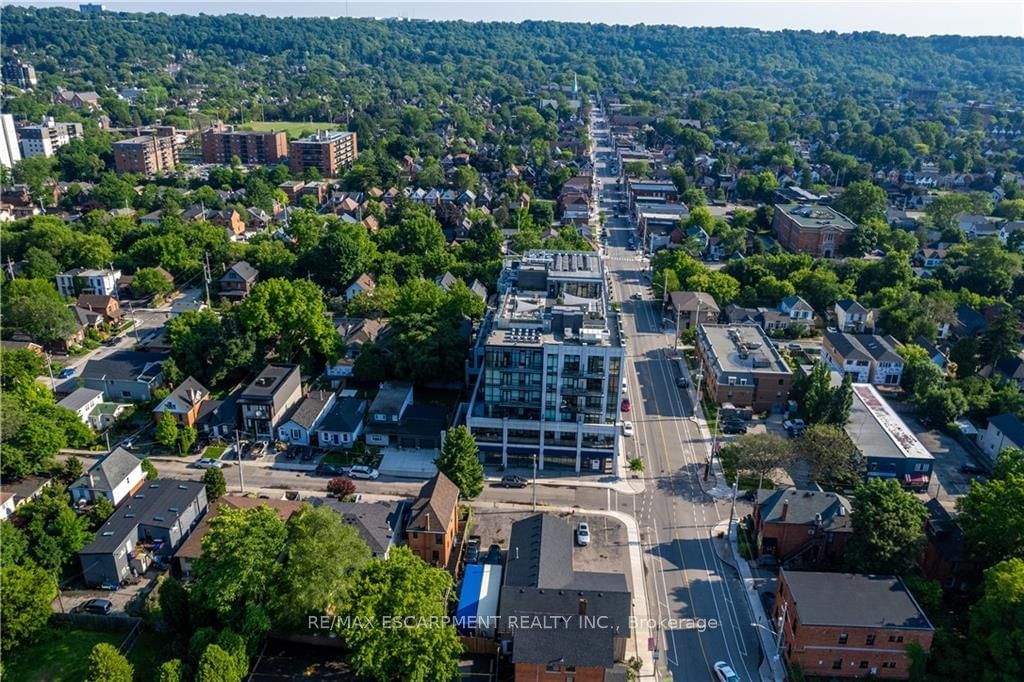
x,y
108,472
943,532
435,504
378,523
345,416
308,409
153,500
854,600
123,365
804,508
241,270
1011,426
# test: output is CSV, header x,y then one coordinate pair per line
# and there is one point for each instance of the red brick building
x,y
434,521
801,527
849,625
330,152
741,366
815,230
943,558
147,154
221,142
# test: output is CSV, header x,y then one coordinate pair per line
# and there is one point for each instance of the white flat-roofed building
x,y
552,367
890,449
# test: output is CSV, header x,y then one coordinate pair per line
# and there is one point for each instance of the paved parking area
x,y
608,549
69,600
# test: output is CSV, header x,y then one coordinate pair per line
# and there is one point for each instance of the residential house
x,y
394,421
1003,431
115,477
183,305
301,422
849,625
944,557
78,100
379,524
237,281
218,418
867,357
978,226
343,423
889,448
184,402
362,284
692,308
230,220
267,399
801,527
88,281
28,489
355,332
434,521
930,257
969,322
852,317
540,581
82,401
148,527
192,548
125,375
1011,370
104,304
798,310
934,354
7,505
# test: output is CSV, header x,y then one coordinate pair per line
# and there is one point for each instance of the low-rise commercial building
x,y
741,366
552,367
849,625
819,231
890,449
330,152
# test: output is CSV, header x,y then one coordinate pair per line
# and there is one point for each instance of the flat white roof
x,y
878,431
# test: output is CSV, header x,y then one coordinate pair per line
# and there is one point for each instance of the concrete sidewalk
x,y
619,483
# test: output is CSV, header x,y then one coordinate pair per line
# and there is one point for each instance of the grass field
x,y
293,128
62,655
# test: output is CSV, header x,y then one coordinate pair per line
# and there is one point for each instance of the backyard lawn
x,y
62,655
293,128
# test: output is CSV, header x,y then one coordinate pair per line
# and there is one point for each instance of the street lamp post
x,y
535,482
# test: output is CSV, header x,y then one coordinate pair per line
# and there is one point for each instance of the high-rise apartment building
x,y
220,143
19,73
330,152
147,154
10,154
45,139
551,383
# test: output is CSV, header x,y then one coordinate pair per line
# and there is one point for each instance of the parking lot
x,y
606,552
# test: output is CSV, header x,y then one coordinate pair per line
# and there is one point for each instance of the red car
x,y
626,405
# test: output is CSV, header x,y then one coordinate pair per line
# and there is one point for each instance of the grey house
x,y
265,401
149,526
126,375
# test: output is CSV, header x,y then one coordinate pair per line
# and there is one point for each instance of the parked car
x,y
725,673
627,429
794,347
513,481
365,472
258,449
626,405
66,372
209,463
733,426
683,382
472,549
493,555
971,469
794,427
583,534
638,296
625,386
100,607
331,469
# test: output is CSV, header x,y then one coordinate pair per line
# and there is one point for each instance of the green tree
x,y
167,431
835,460
636,169
106,664
217,665
54,531
187,438
13,544
460,461
288,318
841,402
861,201
101,511
1009,463
215,484
151,282
403,586
35,308
151,473
919,372
761,454
174,606
997,623
323,556
888,528
239,561
20,367
992,517
26,593
171,671
1002,338
815,394
943,404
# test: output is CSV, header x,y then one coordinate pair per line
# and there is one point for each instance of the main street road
x,y
687,578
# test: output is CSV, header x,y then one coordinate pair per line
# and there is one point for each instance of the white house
x,y
868,358
797,309
82,402
363,283
6,505
305,417
1004,431
343,424
852,316
115,477
88,281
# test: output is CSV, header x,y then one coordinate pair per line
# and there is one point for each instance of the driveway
x,y
948,483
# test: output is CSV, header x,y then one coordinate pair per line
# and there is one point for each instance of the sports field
x,y
293,128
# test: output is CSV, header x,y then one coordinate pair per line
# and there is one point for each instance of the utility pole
x,y
49,366
135,326
238,454
535,482
206,275
732,509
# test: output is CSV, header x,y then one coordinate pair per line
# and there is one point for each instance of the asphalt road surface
x,y
687,581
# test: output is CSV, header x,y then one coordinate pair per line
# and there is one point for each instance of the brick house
x,y
184,402
849,625
693,308
434,523
943,557
798,527
104,305
815,230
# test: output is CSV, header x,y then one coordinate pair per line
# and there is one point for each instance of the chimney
x,y
92,480
785,509
426,521
583,607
